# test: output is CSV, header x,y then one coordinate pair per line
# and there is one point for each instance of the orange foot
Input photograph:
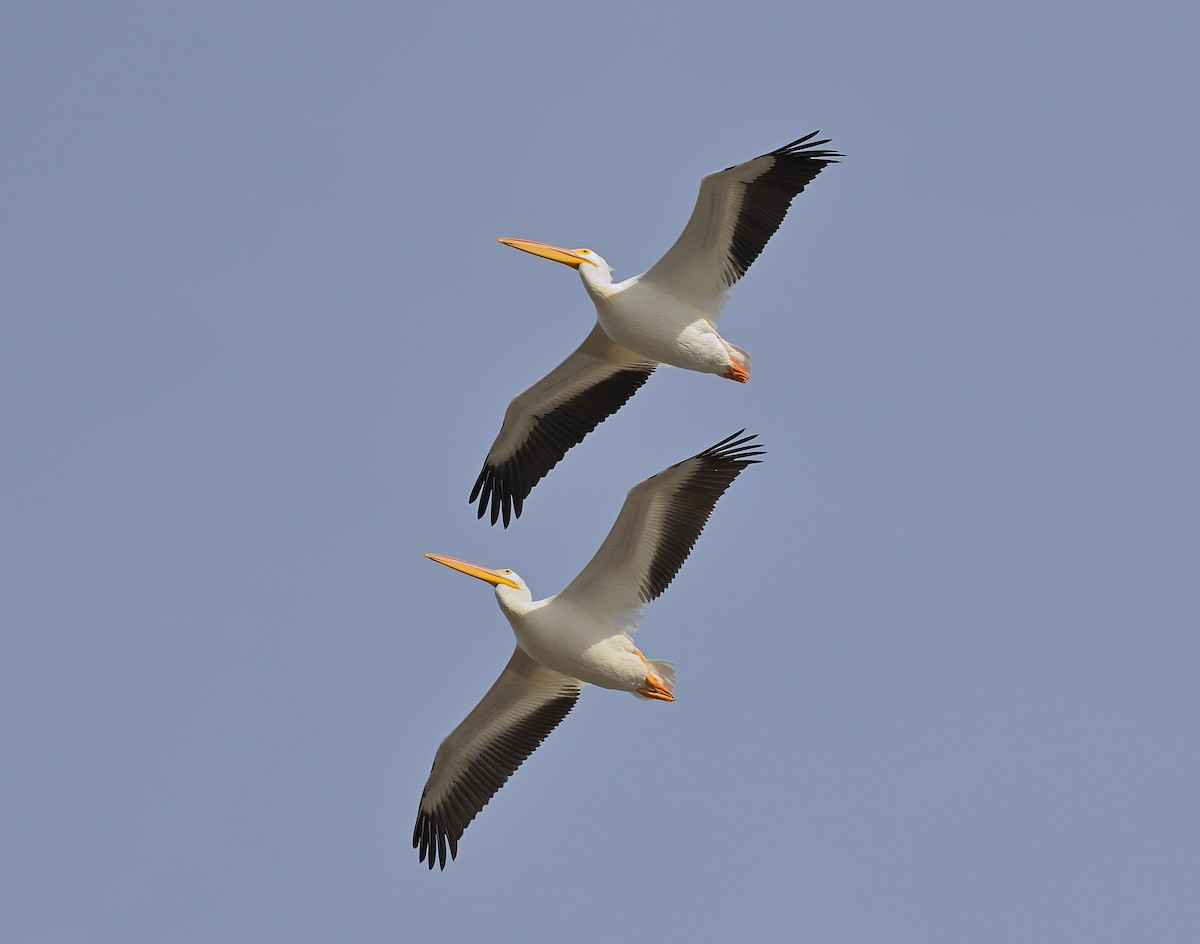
x,y
655,688
736,372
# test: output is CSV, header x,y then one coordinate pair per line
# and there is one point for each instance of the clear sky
x,y
937,655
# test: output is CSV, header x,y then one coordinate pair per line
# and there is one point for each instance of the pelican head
x,y
500,579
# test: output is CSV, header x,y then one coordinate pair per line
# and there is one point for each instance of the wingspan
x,y
737,211
658,526
553,415
524,705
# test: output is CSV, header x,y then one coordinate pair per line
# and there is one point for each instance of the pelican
x,y
666,315
575,637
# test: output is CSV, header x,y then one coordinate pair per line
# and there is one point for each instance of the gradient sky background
x,y
937,655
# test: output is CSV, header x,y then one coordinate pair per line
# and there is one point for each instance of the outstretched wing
x,y
657,528
524,705
553,415
737,211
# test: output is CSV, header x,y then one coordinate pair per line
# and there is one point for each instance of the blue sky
x,y
936,654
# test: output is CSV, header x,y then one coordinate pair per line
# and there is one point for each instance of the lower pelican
x,y
578,636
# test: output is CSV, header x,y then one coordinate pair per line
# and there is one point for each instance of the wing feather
x,y
737,211
553,415
518,712
658,526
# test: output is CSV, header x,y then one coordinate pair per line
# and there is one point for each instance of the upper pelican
x,y
579,635
667,315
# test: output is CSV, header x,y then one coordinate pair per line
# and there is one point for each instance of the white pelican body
x,y
666,315
561,634
578,636
645,316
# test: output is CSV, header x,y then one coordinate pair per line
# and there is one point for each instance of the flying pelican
x,y
577,636
668,315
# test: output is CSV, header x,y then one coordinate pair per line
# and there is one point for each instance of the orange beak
x,y
572,257
494,577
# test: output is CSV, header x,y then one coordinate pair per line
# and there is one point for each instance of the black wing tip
x,y
737,448
430,841
803,148
493,491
